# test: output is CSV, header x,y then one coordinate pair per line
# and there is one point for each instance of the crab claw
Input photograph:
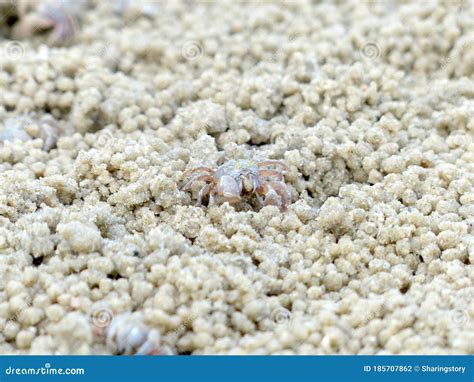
x,y
274,194
249,182
228,189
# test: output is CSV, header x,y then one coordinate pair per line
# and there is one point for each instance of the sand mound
x,y
371,105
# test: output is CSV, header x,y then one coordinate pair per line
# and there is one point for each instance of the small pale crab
x,y
59,16
25,128
242,179
129,334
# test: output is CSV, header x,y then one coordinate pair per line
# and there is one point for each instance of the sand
x,y
370,104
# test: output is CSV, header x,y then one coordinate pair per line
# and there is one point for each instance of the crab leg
x,y
260,200
204,177
273,163
64,26
198,169
205,190
212,199
271,173
281,189
270,197
274,194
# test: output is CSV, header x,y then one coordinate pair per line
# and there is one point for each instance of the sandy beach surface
x,y
105,104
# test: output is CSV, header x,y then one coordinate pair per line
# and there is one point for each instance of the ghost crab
x,y
58,16
130,335
25,128
241,179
